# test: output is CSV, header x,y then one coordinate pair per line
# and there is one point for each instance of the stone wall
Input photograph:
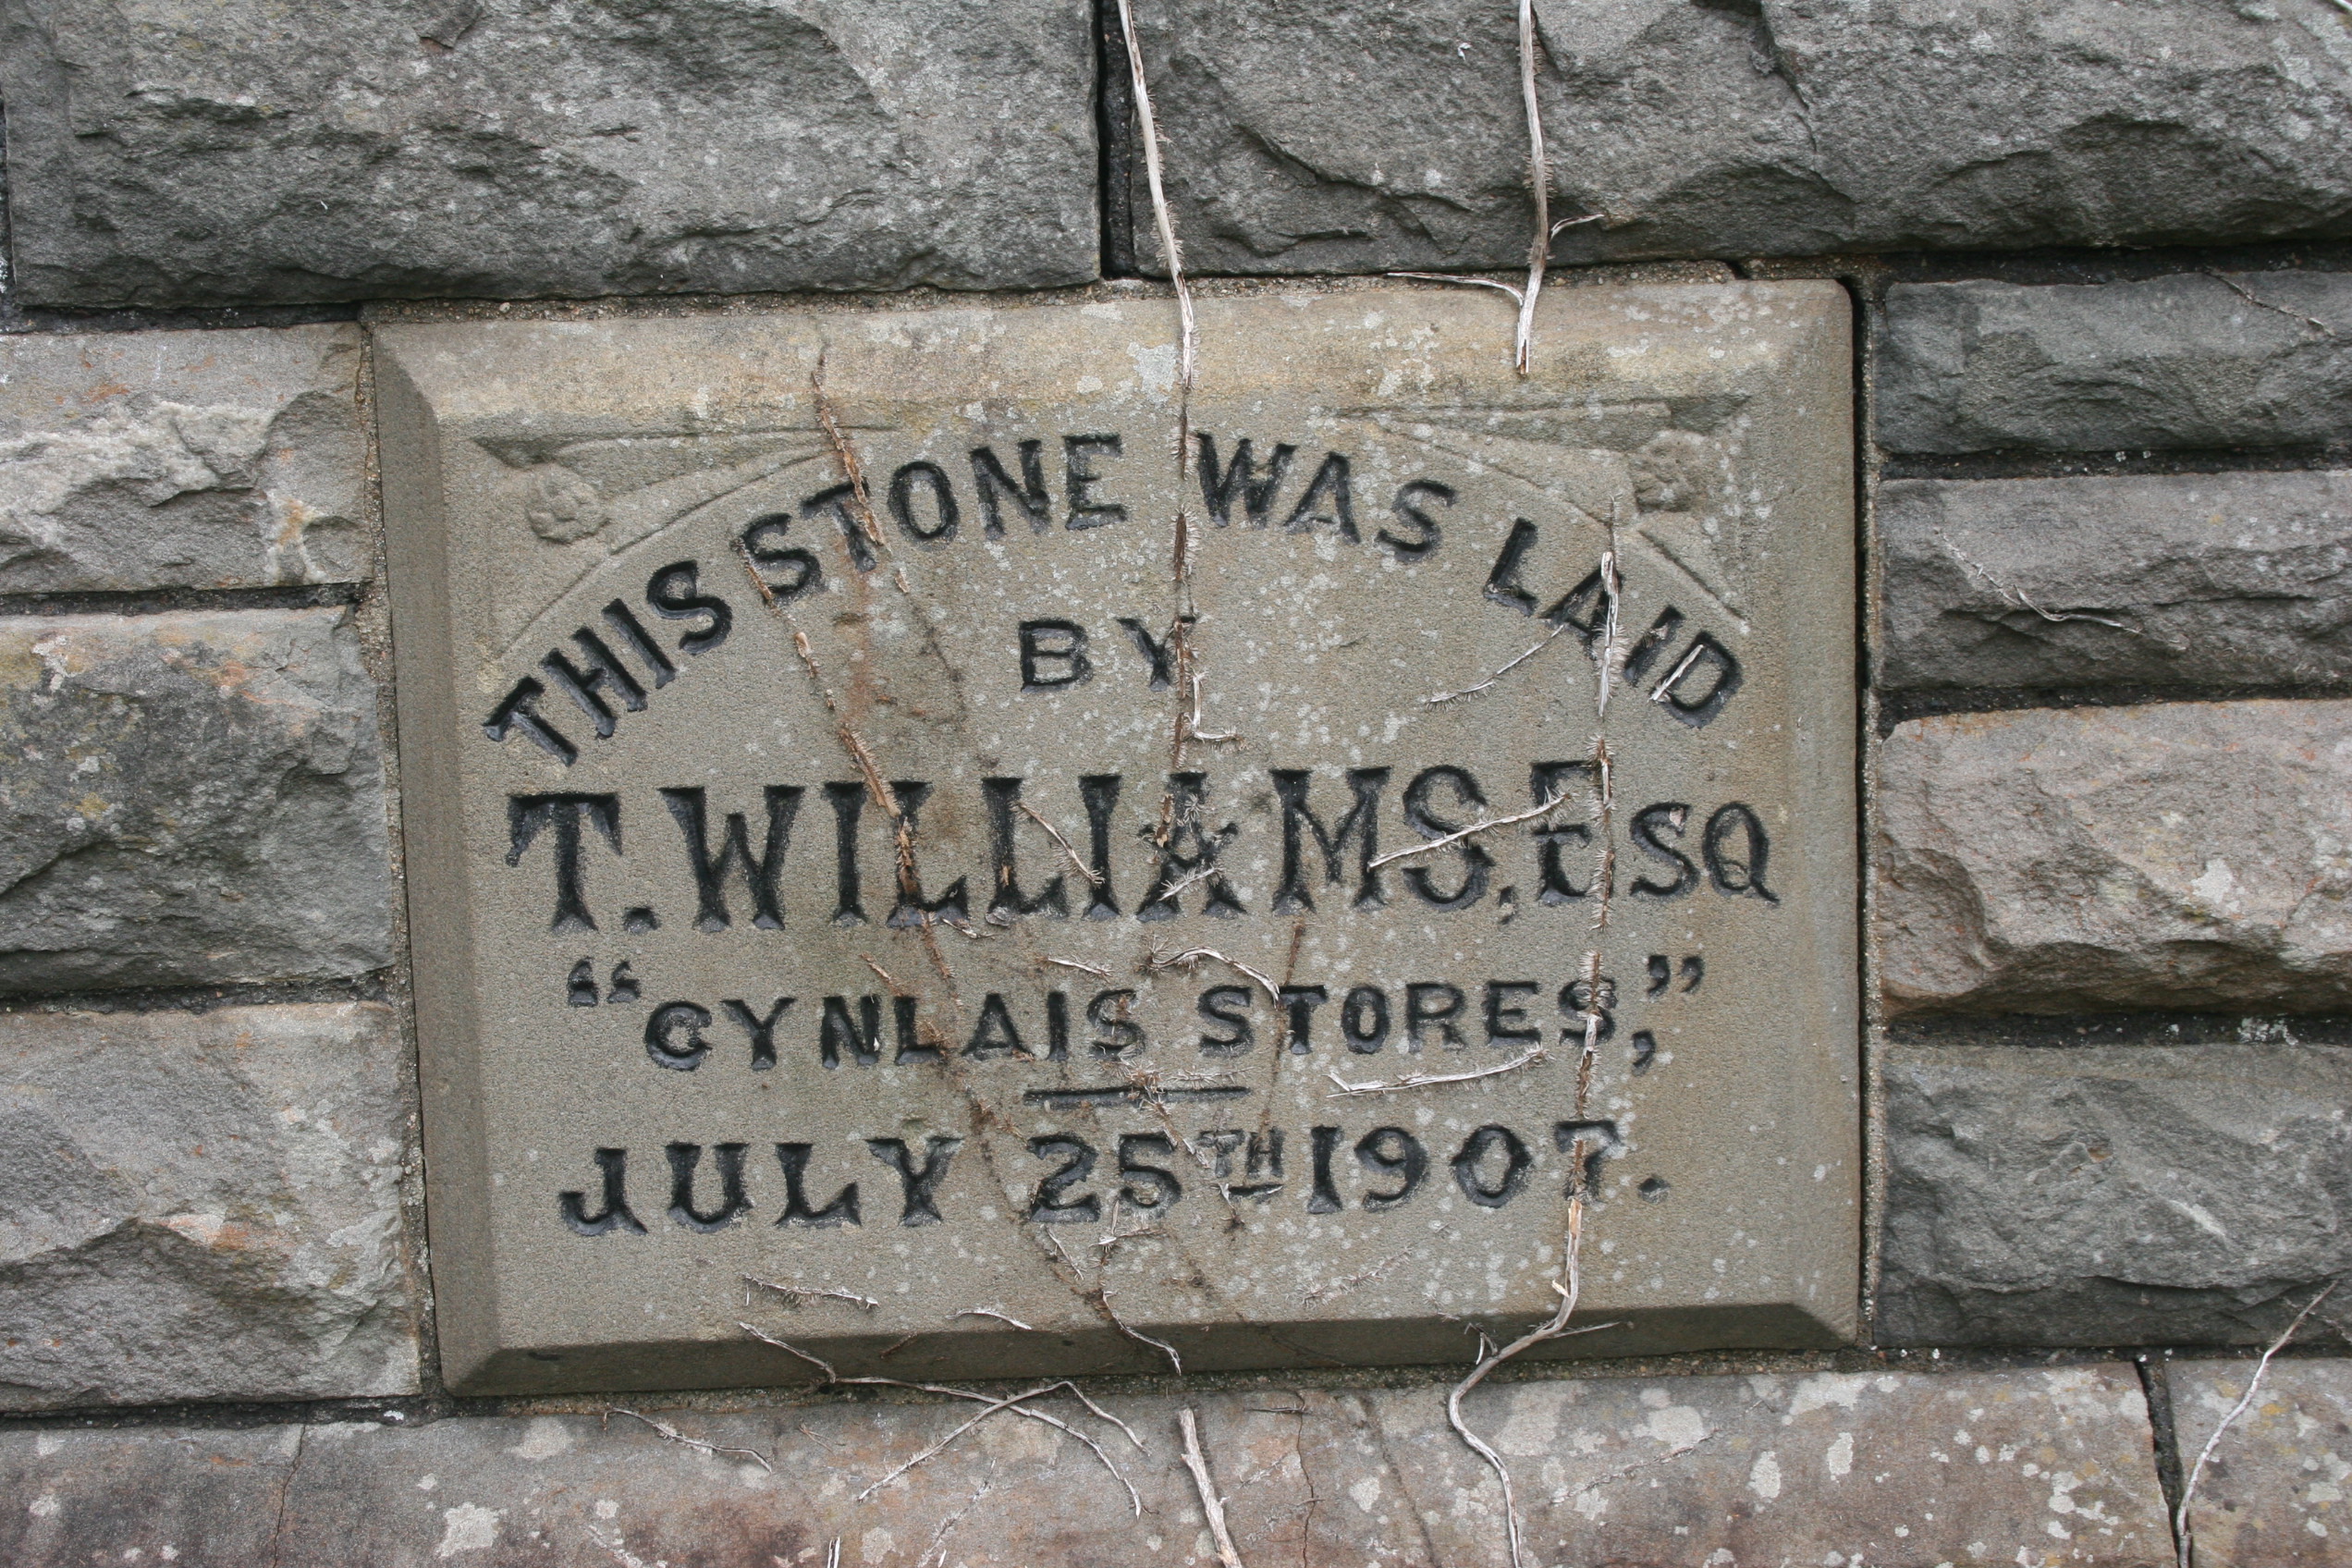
x,y
2101,254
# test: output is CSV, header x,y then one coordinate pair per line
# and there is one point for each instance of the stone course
x,y
2275,1493
202,1206
2169,1184
188,799
247,152
2198,360
2047,1467
1369,134
2175,582
2173,855
171,459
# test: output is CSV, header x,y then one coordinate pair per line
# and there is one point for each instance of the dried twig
x,y
1103,1297
1540,181
2314,322
1556,1326
812,1293
1194,955
844,454
833,1554
2181,1530
1489,681
1190,725
1424,1079
1212,1506
990,1312
1611,660
887,978
1470,832
1095,969
830,1375
671,1434
2009,596
1510,288
1055,834
1005,1404
1160,214
1349,1281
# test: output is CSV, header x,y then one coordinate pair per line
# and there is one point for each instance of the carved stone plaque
x,y
881,825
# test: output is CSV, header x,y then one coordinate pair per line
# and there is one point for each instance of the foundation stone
x,y
913,844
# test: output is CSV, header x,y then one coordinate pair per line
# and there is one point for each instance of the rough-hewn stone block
x,y
2046,1467
2275,1493
202,1206
205,459
2251,360
2142,1193
1385,133
2177,580
188,799
166,154
2175,855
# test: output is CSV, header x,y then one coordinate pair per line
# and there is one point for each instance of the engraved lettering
x,y
1476,861
612,1166
1470,1162
662,1027
1080,477
1328,499
918,1187
933,478
1227,1005
674,594
988,477
1742,872
759,871
1052,1203
526,814
733,1202
842,1211
1217,489
1361,823
795,571
1411,513
1053,655
1391,1151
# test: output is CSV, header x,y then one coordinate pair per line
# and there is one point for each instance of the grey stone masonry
x,y
2176,582
2276,1490
1883,1467
2173,855
2136,1190
204,459
1366,134
202,1206
188,799
245,151
2201,360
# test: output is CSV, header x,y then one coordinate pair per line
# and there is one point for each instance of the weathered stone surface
x,y
643,1081
2274,1491
2179,580
2047,1468
2146,1192
205,459
2195,360
203,1205
165,153
2174,855
188,799
1386,133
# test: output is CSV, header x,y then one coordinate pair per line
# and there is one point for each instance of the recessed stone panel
x,y
1005,906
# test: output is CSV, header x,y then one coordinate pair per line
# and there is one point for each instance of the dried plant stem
x,y
1362,1276
1093,879
1194,955
940,1446
1161,216
1510,289
1212,1506
1538,180
2181,1531
846,455
817,1292
1556,1326
1489,681
1094,969
671,1434
991,1312
1102,1298
1470,832
829,1376
1424,1079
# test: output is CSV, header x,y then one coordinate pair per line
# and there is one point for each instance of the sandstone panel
x,y
1891,1467
2274,1491
1001,919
